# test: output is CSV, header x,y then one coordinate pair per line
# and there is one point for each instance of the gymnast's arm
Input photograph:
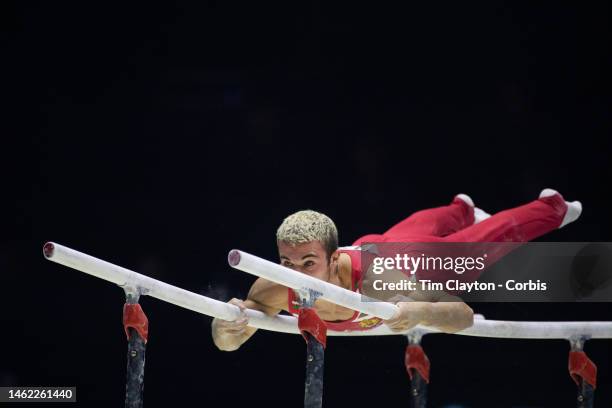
x,y
436,309
264,296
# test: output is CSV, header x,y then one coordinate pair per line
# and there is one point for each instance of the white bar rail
x,y
126,278
288,324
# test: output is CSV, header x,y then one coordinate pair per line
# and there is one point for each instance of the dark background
x,y
158,137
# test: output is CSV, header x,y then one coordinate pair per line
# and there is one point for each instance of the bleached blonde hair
x,y
307,226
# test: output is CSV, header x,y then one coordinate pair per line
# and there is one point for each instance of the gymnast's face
x,y
309,258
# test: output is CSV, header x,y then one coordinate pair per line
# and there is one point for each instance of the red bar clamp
x,y
309,321
134,317
416,359
581,367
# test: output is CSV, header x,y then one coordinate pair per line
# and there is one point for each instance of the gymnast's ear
x,y
334,256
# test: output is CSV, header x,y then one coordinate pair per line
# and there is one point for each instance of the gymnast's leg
x,y
437,222
520,224
517,225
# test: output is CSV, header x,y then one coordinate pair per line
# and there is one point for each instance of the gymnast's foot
x,y
574,208
466,199
479,215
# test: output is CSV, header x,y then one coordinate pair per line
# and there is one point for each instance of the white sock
x,y
480,215
548,192
574,208
466,199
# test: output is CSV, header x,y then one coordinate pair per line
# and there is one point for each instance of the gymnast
x,y
308,243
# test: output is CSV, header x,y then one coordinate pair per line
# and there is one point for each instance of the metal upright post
x,y
417,366
136,327
314,332
583,371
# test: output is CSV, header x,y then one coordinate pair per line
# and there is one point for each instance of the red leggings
x,y
455,223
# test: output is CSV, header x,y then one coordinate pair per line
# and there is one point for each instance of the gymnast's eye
x,y
287,264
308,263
